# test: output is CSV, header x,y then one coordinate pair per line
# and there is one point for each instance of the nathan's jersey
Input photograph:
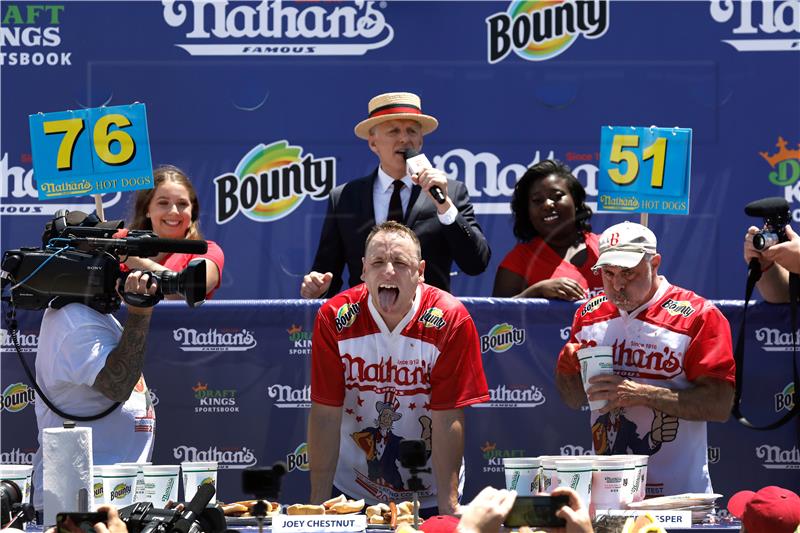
x,y
389,382
670,341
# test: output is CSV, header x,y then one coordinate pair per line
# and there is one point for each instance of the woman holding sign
x,y
557,248
170,210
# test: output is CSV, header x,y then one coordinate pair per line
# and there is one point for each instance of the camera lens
x,y
764,239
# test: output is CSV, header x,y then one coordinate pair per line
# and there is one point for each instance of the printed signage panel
x,y
644,170
91,151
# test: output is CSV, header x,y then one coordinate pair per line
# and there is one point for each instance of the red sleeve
x,y
710,352
516,261
457,378
567,359
327,377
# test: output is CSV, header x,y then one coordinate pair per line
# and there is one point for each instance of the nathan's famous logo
x,y
501,338
17,456
538,30
433,318
234,458
574,449
214,400
785,398
414,376
776,458
346,315
17,185
17,397
678,307
272,181
592,305
714,453
270,29
785,163
300,340
29,33
120,491
619,203
511,397
494,456
213,340
775,340
27,342
766,26
565,333
298,459
649,360
77,188
286,396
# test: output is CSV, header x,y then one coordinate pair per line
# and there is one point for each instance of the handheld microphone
x,y
416,163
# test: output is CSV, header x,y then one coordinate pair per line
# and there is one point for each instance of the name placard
x,y
667,519
91,151
321,523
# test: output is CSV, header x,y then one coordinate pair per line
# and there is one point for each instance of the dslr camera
x,y
79,261
776,215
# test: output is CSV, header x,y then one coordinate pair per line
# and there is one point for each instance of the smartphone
x,y
537,511
79,522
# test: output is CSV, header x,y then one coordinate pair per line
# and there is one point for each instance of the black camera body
x,y
80,262
11,505
776,215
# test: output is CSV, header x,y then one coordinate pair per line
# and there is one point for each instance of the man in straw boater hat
x,y
673,367
447,232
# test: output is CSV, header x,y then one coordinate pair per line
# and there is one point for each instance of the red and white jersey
x,y
388,382
669,342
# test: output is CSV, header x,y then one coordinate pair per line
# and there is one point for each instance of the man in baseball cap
x,y
770,510
672,360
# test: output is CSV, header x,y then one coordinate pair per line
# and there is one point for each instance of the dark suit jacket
x,y
351,216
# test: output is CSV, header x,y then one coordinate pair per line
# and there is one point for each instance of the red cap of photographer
x,y
770,510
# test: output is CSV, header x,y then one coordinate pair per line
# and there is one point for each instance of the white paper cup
x,y
119,484
522,475
21,476
595,361
138,491
640,483
549,473
161,484
577,475
612,480
196,473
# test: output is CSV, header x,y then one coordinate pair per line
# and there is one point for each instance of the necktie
x,y
395,205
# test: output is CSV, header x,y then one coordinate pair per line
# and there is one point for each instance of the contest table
x,y
230,382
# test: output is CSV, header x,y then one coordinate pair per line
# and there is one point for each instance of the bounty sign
x,y
91,151
644,170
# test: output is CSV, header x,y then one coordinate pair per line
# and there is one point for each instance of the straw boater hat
x,y
395,106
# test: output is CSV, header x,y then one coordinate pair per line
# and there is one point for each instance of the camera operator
x,y
86,361
777,262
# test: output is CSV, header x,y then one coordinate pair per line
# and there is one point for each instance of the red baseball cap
x,y
439,524
770,510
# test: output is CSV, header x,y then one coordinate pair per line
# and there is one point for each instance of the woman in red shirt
x,y
557,248
170,210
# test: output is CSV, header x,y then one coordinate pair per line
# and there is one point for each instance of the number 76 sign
x,y
644,170
91,151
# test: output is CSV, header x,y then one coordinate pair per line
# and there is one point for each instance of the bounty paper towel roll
x,y
67,459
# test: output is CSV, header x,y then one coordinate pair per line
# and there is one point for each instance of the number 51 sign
x,y
91,151
644,170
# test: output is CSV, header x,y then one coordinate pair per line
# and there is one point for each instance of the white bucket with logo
x,y
196,473
522,474
119,484
576,473
612,480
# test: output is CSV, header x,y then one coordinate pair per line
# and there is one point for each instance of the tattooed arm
x,y
124,363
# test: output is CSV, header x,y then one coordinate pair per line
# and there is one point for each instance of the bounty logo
x,y
298,460
213,340
775,340
17,397
785,164
234,458
785,399
678,307
501,338
19,195
299,340
433,318
214,400
494,456
776,458
766,26
346,316
29,33
538,30
270,29
120,491
505,398
287,397
272,181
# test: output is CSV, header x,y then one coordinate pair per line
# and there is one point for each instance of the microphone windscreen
x,y
766,206
410,152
